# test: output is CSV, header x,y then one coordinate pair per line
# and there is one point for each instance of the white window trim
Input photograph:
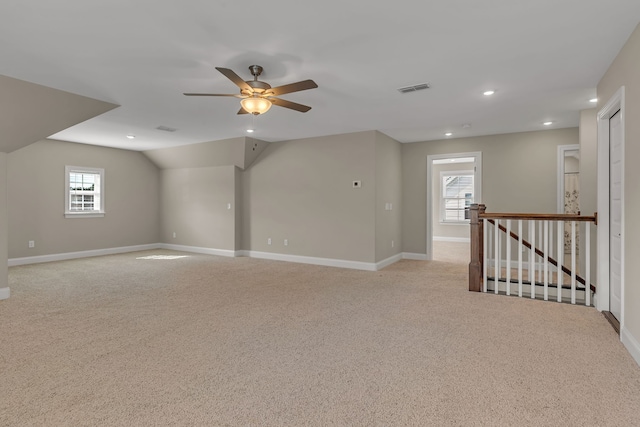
x,y
75,214
442,204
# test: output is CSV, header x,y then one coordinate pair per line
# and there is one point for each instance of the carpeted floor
x,y
209,341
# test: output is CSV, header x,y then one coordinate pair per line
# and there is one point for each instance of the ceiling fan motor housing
x,y
257,86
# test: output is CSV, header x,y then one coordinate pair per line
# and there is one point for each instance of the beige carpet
x,y
207,341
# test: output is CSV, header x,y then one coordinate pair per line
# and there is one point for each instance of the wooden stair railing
x,y
478,213
540,253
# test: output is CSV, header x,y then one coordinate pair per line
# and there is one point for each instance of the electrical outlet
x,y
286,242
269,241
393,244
229,206
32,243
174,234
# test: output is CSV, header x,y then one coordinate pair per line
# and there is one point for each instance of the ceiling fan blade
x,y
214,94
291,105
242,111
292,87
235,78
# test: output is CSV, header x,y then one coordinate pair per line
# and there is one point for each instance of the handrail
x,y
548,217
478,213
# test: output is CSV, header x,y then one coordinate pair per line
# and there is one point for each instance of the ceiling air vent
x,y
414,88
166,129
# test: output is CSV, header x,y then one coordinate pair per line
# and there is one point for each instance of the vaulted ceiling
x,y
542,58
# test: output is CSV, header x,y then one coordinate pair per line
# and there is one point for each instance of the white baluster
x,y
520,258
546,260
540,279
587,262
560,259
532,258
485,238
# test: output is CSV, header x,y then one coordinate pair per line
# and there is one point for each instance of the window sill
x,y
84,214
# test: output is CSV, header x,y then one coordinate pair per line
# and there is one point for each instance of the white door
x,y
615,214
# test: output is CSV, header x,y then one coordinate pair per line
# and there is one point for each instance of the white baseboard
x,y
200,250
4,293
414,256
451,239
387,262
632,345
82,254
328,262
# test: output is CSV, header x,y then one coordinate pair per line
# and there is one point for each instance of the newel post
x,y
477,247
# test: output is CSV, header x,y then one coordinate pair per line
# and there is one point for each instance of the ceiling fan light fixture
x,y
256,105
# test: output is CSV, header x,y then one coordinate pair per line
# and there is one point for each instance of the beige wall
x,y
194,205
625,71
4,225
388,184
240,152
528,159
31,112
588,161
441,229
36,177
301,190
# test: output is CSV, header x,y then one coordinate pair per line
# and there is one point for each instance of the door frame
x,y
602,297
477,188
562,150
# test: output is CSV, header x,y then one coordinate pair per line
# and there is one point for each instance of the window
x,y
84,192
456,196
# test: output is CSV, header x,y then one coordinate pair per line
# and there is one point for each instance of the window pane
x,y
84,191
457,196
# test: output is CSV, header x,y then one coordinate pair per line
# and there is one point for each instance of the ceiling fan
x,y
257,96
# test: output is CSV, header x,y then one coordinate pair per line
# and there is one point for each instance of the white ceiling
x,y
543,58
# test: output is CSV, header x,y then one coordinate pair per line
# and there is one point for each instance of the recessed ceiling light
x,y
131,136
489,92
547,123
594,100
249,130
448,134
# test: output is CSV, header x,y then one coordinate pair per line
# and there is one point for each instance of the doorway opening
x,y
569,196
454,182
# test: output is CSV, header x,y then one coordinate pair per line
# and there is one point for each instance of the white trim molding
x,y
327,262
414,256
387,262
613,105
200,250
83,254
451,239
632,345
562,150
477,193
4,293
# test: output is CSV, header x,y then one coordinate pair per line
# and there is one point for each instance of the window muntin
x,y
456,196
84,193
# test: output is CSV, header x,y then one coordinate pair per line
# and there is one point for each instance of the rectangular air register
x,y
166,129
414,88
